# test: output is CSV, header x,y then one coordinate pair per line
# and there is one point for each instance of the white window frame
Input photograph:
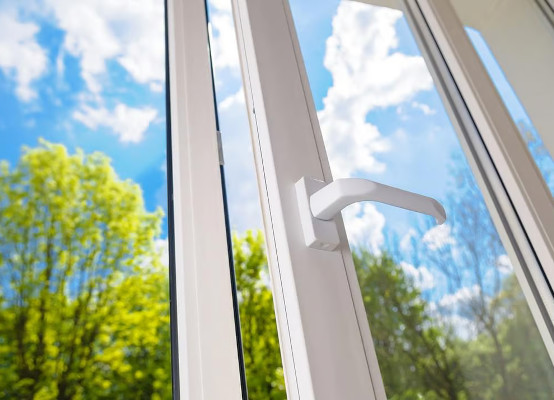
x,y
518,197
205,355
523,181
325,341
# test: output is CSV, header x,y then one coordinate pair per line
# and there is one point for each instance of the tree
x,y
415,356
84,307
476,271
262,358
528,364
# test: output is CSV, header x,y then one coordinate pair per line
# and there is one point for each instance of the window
x,y
427,288
374,128
514,41
138,139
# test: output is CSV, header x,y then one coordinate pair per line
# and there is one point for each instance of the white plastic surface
x,y
319,203
330,200
318,234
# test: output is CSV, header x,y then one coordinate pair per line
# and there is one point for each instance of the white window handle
x,y
319,203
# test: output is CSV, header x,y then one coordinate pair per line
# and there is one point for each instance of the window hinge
x,y
220,148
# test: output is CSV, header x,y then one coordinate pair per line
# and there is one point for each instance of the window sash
x,y
320,312
515,192
205,357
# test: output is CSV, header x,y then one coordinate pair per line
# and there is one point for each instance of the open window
x,y
375,302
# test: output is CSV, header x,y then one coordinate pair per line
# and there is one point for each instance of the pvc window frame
x,y
204,342
325,339
519,200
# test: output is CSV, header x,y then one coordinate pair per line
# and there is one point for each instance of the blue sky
x,y
59,84
91,74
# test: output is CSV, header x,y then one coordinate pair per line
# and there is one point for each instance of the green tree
x,y
415,356
527,362
84,307
262,359
495,364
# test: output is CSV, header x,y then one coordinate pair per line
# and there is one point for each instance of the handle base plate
x,y
318,234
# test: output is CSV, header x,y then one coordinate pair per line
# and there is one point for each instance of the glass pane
x,y
84,300
515,41
262,358
448,317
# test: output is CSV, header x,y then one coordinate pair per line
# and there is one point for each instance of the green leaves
x,y
264,373
85,306
84,303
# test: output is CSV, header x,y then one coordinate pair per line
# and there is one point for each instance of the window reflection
x,y
447,315
515,41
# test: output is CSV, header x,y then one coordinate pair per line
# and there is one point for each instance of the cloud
x,y
22,59
234,100
240,172
98,31
223,40
461,297
422,277
162,247
368,73
156,87
364,226
424,108
438,236
407,241
463,327
128,123
504,264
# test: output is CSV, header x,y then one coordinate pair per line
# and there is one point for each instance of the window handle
x,y
319,203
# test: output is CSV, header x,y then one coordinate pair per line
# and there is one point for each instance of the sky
x,y
90,74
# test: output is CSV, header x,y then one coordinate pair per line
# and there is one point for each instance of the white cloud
x,y
464,328
438,236
126,31
367,74
234,100
240,173
162,247
60,64
463,296
22,59
424,108
504,264
407,239
422,277
221,5
223,41
364,226
128,123
156,87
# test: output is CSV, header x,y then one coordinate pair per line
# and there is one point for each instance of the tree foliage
x,y
264,373
84,296
84,306
415,355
